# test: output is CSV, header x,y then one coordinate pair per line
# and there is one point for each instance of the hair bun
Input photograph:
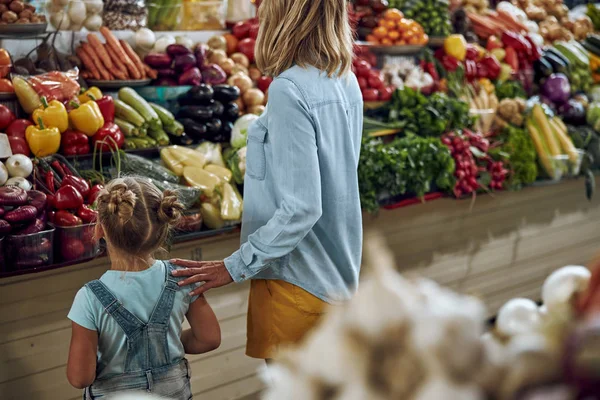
x,y
121,201
170,209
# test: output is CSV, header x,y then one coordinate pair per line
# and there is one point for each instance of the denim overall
x,y
147,365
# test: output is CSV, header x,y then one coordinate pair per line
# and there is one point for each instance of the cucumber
x,y
127,113
166,117
137,102
139,166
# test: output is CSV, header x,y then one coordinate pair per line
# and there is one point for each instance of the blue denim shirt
x,y
302,220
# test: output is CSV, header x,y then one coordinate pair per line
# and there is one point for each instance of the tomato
x,y
71,249
362,83
246,46
370,94
241,30
385,94
363,68
376,82
4,57
6,117
17,128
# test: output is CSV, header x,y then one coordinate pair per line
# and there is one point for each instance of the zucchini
x,y
137,102
166,117
129,130
127,113
574,56
136,165
175,129
159,135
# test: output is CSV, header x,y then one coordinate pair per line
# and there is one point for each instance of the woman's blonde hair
x,y
306,33
136,217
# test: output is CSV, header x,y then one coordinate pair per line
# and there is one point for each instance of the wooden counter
x,y
504,247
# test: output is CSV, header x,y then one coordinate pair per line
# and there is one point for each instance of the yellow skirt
x,y
279,314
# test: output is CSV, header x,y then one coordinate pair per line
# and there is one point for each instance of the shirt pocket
x,y
256,160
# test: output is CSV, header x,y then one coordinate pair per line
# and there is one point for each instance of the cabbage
x,y
237,165
239,133
593,115
212,153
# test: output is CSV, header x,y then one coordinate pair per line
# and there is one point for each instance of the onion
x,y
254,97
19,165
560,287
161,44
93,23
217,57
77,12
238,68
240,58
518,316
255,74
144,39
185,41
94,6
227,65
3,174
20,182
243,82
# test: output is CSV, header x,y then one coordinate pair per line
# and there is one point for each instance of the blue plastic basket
x,y
165,96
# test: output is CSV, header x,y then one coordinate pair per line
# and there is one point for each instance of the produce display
x,y
393,29
19,12
73,15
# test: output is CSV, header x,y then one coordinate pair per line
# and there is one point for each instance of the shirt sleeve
x,y
292,137
82,311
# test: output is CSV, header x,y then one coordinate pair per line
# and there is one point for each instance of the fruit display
x,y
393,29
371,82
19,12
366,15
433,15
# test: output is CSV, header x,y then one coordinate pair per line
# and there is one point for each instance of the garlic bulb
x,y
560,287
518,316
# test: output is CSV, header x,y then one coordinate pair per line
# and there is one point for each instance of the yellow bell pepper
x,y
41,140
53,114
456,46
92,93
595,67
86,117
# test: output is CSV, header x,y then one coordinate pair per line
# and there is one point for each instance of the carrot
x,y
114,44
152,73
98,47
92,54
116,61
134,57
88,62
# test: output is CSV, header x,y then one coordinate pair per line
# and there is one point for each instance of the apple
x,y
241,30
264,82
362,83
374,79
370,94
246,46
385,94
363,68
17,128
253,33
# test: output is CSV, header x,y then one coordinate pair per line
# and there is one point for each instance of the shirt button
x,y
243,276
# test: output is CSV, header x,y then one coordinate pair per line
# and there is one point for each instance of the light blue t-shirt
x,y
138,292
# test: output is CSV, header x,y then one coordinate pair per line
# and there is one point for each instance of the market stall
x,y
479,158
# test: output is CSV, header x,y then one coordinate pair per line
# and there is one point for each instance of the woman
x,y
302,227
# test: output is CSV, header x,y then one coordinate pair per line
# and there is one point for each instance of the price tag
x,y
196,254
5,150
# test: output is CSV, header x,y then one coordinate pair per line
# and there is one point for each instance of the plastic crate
x,y
29,251
165,96
75,243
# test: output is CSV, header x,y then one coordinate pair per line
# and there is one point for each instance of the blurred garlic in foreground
x,y
562,285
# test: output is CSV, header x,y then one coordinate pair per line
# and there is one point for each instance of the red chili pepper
x,y
74,143
110,134
107,108
512,59
49,177
431,70
66,169
59,169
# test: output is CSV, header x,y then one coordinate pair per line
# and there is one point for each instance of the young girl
x,y
126,326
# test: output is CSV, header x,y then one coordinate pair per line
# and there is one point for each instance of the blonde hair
x,y
306,33
136,216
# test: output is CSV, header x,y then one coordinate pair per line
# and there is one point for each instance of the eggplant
x,y
193,129
226,129
185,62
542,68
175,50
21,214
191,77
218,108
558,55
226,93
557,64
202,94
158,60
201,54
198,113
213,127
572,112
232,112
182,140
12,196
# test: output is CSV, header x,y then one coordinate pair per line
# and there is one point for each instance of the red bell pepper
x,y
536,51
65,218
110,134
470,69
78,183
67,198
74,143
107,108
450,63
94,192
87,215
517,42
492,66
472,52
